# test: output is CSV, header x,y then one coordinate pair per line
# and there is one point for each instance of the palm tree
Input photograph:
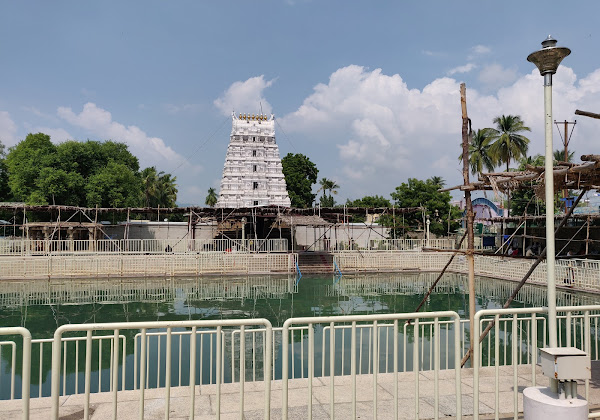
x,y
559,156
479,152
328,185
150,184
211,198
508,142
166,192
438,180
537,160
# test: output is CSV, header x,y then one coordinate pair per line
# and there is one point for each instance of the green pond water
x,y
42,306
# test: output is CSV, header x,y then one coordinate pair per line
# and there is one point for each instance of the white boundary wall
x,y
577,273
116,265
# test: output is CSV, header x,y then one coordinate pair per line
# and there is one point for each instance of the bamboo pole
x,y
469,209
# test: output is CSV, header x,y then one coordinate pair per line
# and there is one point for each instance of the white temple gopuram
x,y
252,175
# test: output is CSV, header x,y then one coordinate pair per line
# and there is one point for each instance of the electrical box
x,y
566,364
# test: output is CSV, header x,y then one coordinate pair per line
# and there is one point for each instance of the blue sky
x,y
367,90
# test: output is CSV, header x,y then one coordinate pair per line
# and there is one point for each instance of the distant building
x,y
252,175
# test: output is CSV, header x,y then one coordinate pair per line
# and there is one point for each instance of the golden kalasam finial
x,y
240,116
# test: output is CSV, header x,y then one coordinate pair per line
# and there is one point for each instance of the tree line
x,y
87,174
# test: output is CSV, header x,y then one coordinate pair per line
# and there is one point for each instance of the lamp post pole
x,y
547,61
427,235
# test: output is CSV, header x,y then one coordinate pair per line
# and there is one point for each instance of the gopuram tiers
x,y
252,175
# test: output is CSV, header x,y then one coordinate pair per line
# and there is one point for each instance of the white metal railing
x,y
373,322
215,352
574,329
71,350
24,247
13,364
578,273
123,265
171,328
384,244
25,365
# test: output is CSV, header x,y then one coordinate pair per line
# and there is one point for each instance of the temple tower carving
x,y
252,174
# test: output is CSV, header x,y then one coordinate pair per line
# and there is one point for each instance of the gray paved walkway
x,y
206,400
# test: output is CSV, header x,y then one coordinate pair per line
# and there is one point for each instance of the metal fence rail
x,y
24,247
577,327
371,321
116,384
578,273
90,358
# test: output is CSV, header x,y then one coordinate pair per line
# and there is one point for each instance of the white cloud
x,y
494,76
8,129
384,132
430,53
477,51
462,69
481,49
245,97
152,151
57,135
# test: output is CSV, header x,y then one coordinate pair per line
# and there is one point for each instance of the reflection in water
x,y
42,306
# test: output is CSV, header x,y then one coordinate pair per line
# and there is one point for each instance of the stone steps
x,y
315,262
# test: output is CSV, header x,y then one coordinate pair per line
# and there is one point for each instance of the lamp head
x,y
549,57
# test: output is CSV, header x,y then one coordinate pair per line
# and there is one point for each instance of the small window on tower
x,y
255,185
253,138
256,203
254,153
254,168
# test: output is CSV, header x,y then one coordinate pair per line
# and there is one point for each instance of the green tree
x,y
4,188
300,176
149,185
369,201
25,162
479,152
166,194
508,142
559,156
521,197
327,185
60,187
159,189
115,185
425,194
211,198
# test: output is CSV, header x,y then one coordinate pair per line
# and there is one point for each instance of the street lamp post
x,y
547,61
427,223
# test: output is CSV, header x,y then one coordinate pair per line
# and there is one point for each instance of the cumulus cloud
x,y
481,49
8,129
462,69
152,151
494,76
245,97
385,132
57,135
